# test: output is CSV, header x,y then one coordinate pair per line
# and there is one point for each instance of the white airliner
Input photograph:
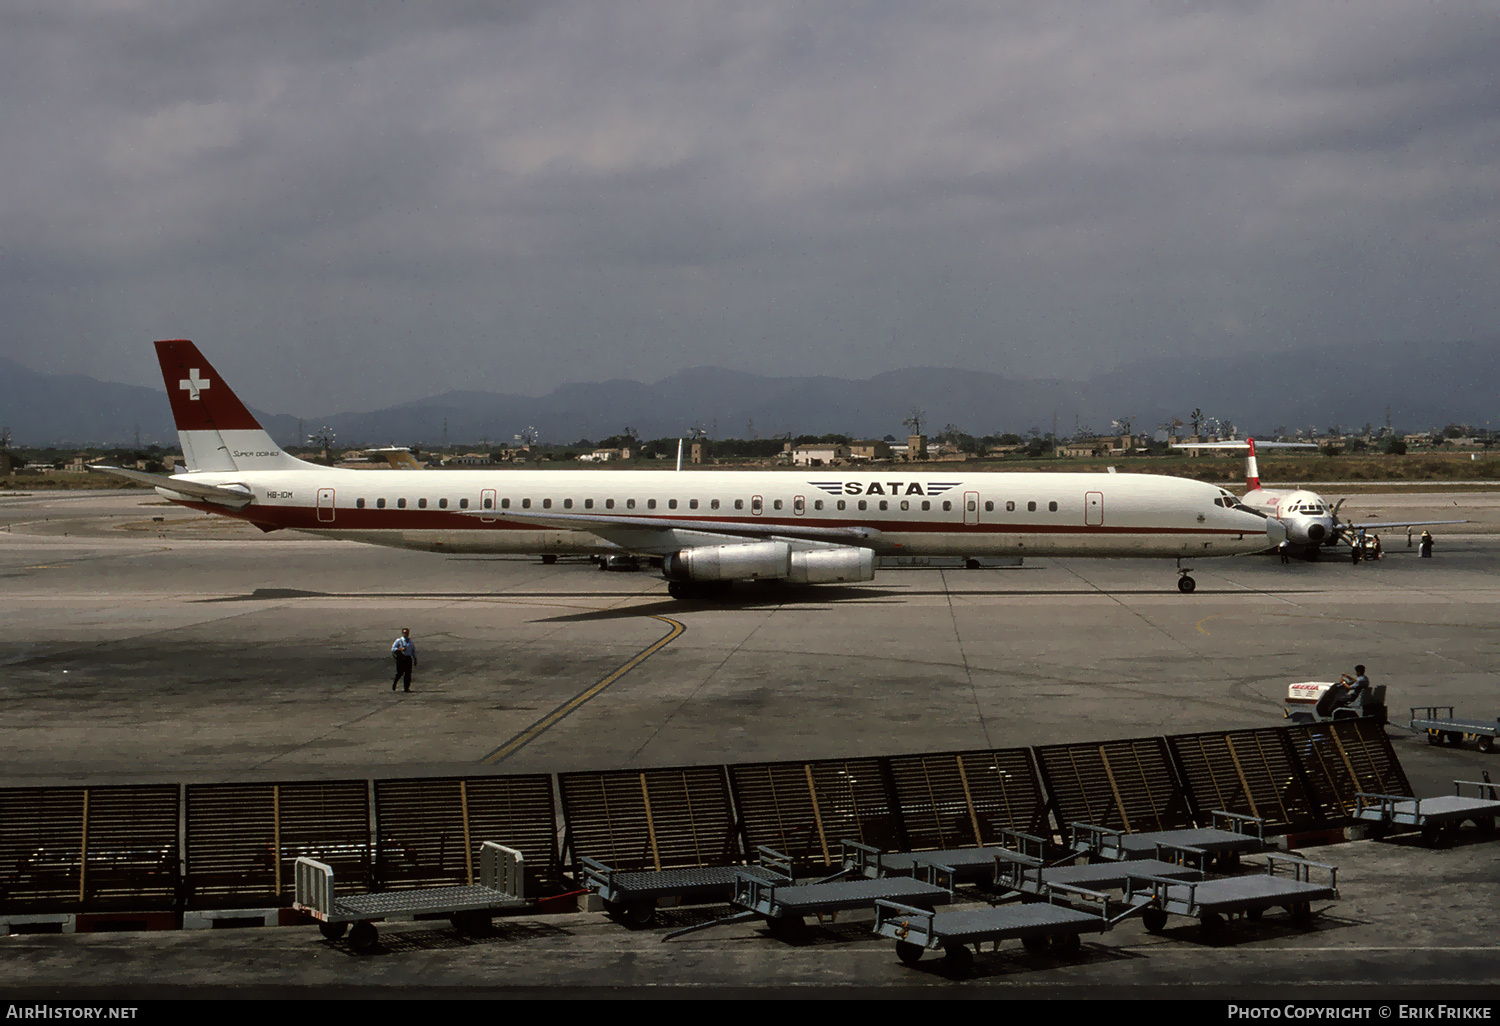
x,y
708,528
1311,521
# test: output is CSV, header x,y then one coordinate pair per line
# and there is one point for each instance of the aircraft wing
x,y
663,535
1242,445
233,496
1398,523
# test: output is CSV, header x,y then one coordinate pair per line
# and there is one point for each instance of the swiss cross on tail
x,y
200,399
193,383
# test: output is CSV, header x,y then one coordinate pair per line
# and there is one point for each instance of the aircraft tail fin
x,y
217,432
1252,469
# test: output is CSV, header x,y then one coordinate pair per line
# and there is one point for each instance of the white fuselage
x,y
1308,517
905,511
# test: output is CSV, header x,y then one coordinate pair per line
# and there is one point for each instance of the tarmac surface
x,y
196,649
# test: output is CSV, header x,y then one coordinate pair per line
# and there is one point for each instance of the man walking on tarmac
x,y
405,653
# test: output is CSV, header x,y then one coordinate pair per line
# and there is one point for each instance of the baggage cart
x,y
1230,836
468,908
1212,902
1443,728
1438,818
1041,926
1019,873
632,896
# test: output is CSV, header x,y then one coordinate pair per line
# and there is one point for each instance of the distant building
x,y
819,455
874,449
916,447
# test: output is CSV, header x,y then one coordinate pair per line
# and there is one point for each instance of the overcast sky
x,y
348,204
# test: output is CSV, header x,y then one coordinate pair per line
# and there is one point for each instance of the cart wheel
x,y
1485,825
1212,923
1486,743
333,931
1302,913
1453,738
639,914
1037,943
1066,944
364,938
1378,829
1434,738
908,952
1254,913
957,960
1432,834
790,929
1153,919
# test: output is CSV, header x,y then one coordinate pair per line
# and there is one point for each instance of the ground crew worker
x,y
1426,548
404,651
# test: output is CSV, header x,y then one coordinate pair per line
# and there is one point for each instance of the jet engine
x,y
825,566
752,560
770,560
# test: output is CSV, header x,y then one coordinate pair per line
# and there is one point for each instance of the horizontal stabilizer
x,y
233,496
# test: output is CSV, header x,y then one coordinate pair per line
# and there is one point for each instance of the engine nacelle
x,y
825,566
750,561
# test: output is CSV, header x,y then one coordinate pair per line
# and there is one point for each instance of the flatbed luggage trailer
x,y
1443,728
1212,902
1437,818
1230,836
632,896
1053,925
1026,874
468,908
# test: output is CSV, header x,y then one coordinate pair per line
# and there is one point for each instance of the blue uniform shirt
x,y
405,646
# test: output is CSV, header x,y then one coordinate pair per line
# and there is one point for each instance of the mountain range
x,y
1418,385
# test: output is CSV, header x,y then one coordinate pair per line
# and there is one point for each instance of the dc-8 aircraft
x,y
708,528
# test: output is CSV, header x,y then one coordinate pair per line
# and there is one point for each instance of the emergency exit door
x,y
325,505
1093,509
971,507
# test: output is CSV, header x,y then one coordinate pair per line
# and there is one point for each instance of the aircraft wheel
x,y
333,931
908,952
549,559
1186,584
971,564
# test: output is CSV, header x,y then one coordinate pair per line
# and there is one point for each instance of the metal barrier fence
x,y
206,846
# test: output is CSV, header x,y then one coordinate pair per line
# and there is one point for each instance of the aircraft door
x,y
487,503
325,505
971,507
1093,509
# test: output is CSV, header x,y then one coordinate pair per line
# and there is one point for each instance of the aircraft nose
x,y
1275,531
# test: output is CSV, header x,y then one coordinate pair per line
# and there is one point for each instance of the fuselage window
x,y
421,504
1052,506
776,504
609,503
843,505
884,505
504,503
488,503
546,504
973,504
926,505
588,503
757,504
989,507
817,503
739,503
863,504
799,505
692,504
1031,507
905,505
1010,507
463,503
650,503
713,504
380,504
567,504
442,504
400,503
525,503
630,504
947,505
359,503
671,504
